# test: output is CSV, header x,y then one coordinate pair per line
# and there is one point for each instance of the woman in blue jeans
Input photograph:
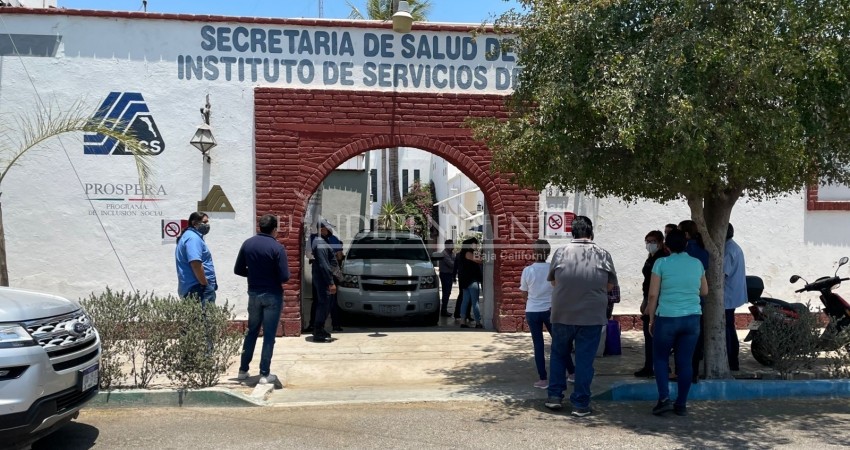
x,y
538,308
674,313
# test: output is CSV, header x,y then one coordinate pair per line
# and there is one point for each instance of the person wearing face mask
x,y
195,270
654,242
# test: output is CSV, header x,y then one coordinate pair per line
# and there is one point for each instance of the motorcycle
x,y
837,311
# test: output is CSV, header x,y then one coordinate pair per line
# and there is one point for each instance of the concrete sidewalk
x,y
433,364
446,363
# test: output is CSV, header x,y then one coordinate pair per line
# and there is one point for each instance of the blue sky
x,y
467,11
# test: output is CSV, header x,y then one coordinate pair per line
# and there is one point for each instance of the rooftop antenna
x,y
321,9
145,5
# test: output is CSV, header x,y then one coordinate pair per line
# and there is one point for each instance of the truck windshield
x,y
388,248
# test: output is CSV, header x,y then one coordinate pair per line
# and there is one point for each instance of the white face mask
x,y
652,248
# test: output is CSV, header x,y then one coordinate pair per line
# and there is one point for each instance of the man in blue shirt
x,y
734,293
195,270
263,261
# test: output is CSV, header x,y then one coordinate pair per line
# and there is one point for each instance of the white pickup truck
x,y
49,364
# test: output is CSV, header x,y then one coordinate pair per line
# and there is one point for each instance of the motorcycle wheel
x,y
759,351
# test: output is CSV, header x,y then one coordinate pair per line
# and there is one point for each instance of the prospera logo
x,y
123,112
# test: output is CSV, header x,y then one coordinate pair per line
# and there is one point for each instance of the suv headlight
x,y
14,335
428,282
350,281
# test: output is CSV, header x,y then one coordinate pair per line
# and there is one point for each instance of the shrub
x,y
143,336
787,344
837,359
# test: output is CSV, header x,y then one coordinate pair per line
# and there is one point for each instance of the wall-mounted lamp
x,y
203,139
402,20
480,207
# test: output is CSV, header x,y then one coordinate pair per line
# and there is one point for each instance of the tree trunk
x,y
4,269
712,217
384,198
395,193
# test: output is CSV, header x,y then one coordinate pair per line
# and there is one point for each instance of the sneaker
x,y
479,325
445,314
463,325
582,412
268,379
662,407
571,378
553,403
644,373
242,375
542,384
680,410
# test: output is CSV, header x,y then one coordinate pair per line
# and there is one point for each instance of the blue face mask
x,y
203,228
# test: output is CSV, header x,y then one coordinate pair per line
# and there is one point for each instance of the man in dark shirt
x,y
263,261
447,276
324,263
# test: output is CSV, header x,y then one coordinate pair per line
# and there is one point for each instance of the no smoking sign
x,y
171,229
558,224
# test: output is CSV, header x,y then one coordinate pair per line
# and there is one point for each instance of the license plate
x,y
754,325
388,308
89,377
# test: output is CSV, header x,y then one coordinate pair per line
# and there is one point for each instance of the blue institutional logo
x,y
124,111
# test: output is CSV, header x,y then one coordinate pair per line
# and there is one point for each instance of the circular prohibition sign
x,y
172,229
555,222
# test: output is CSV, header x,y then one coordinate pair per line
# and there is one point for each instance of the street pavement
x,y
786,424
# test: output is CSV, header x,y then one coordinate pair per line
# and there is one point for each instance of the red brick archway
x,y
303,135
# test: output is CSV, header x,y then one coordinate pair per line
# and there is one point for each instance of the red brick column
x,y
303,135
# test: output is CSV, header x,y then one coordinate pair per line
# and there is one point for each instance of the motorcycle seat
x,y
797,307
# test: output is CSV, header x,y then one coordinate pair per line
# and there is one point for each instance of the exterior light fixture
x,y
203,139
480,207
402,20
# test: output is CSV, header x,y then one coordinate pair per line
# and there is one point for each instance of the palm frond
x,y
30,131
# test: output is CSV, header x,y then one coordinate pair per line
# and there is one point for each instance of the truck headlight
x,y
428,282
350,281
14,335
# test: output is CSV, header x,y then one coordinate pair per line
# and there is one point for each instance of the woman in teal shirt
x,y
674,312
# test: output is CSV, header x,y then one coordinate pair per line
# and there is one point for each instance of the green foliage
x,y
788,344
144,336
391,217
416,208
662,99
383,10
838,356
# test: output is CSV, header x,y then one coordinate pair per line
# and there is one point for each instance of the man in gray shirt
x,y
582,273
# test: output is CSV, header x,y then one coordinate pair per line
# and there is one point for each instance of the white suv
x,y
389,274
49,363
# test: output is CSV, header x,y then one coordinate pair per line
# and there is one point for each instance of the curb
x,y
210,397
731,390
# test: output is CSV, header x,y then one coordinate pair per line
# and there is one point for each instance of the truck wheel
x,y
760,353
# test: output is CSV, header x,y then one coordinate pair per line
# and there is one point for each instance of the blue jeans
x,y
263,310
471,293
206,294
586,339
679,334
536,321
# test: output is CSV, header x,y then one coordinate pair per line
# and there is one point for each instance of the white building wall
x,y
55,244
